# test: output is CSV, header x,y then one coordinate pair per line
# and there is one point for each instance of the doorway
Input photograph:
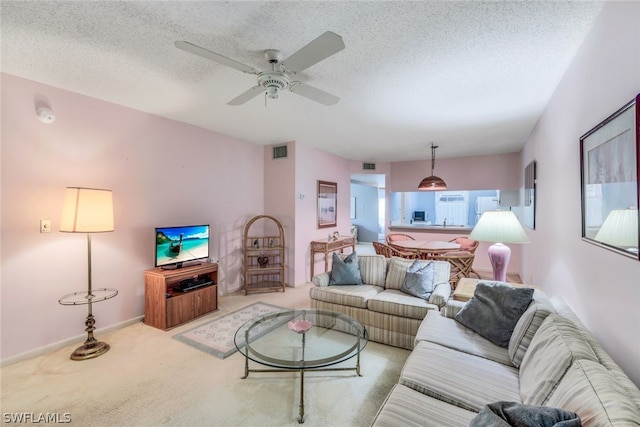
x,y
368,196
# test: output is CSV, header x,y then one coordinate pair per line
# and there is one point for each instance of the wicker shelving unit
x,y
263,243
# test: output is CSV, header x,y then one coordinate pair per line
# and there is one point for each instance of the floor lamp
x,y
499,227
88,210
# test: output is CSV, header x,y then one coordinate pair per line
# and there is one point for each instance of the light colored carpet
x,y
150,379
217,336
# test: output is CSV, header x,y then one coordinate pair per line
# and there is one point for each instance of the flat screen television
x,y
176,246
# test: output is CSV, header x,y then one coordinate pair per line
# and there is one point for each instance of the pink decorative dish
x,y
300,326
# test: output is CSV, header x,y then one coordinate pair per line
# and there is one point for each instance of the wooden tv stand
x,y
165,308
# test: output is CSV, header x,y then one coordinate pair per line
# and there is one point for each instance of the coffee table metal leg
x,y
301,417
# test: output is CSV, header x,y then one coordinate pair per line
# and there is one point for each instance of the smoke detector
x,y
45,115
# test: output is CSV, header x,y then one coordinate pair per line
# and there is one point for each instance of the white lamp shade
x,y
499,227
87,210
620,228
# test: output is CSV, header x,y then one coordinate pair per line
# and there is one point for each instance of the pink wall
x,y
161,172
602,287
312,165
280,200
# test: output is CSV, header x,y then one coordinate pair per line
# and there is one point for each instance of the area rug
x,y
216,337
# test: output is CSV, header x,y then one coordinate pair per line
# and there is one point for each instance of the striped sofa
x,y
551,360
391,316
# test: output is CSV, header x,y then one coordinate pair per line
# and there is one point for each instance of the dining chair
x,y
390,251
397,237
469,245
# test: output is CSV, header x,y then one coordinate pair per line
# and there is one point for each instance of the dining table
x,y
431,247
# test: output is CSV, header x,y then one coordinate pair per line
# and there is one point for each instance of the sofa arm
x,y
452,308
321,279
440,294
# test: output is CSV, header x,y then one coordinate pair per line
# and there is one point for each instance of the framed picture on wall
x,y
609,177
327,204
529,209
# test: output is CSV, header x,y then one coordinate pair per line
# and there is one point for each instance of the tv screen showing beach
x,y
181,244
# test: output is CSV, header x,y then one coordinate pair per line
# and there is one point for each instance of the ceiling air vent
x,y
280,152
369,166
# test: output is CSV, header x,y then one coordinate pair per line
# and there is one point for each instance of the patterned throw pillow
x,y
345,272
419,280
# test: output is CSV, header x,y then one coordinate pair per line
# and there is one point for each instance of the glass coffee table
x,y
301,340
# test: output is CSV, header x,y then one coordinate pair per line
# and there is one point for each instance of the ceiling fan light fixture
x,y
432,182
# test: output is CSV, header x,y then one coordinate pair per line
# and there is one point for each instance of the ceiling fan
x,y
280,77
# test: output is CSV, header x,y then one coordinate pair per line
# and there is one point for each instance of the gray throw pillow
x,y
507,414
345,272
494,310
419,280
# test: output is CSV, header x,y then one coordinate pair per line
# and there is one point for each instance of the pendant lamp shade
x,y
432,182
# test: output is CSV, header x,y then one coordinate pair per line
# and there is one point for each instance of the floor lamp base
x,y
90,350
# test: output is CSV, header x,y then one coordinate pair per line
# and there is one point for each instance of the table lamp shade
x,y
620,228
499,227
87,210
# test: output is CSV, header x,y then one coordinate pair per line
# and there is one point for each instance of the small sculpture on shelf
x,y
335,236
263,261
255,244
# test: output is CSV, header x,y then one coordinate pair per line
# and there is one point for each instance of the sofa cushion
x,y
592,392
397,303
459,378
409,408
373,269
345,271
397,271
349,295
554,347
527,326
447,332
419,280
603,357
494,310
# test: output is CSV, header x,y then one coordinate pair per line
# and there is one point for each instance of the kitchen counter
x,y
417,226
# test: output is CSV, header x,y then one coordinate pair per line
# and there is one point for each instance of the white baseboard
x,y
63,343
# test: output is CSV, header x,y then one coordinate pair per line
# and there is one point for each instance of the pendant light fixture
x,y
432,183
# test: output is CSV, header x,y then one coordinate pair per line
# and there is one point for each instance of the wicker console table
x,y
325,247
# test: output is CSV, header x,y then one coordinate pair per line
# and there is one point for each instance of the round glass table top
x,y
304,338
84,297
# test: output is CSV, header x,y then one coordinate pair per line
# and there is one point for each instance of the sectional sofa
x,y
552,366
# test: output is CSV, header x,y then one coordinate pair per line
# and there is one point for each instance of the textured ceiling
x,y
471,76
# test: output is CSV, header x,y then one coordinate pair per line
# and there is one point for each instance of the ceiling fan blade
x,y
314,94
246,96
321,48
197,50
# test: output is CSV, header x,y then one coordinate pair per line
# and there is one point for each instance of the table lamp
x,y
87,210
499,227
620,229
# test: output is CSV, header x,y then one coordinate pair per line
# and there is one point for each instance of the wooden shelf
x,y
165,308
263,240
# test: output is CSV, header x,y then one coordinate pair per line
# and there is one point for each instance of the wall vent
x,y
369,166
280,152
